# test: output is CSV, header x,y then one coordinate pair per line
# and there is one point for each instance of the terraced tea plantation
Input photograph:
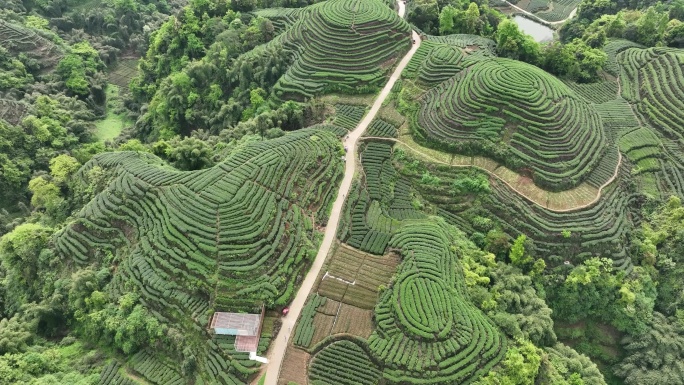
x,y
515,113
354,277
425,323
652,79
338,46
419,182
122,72
597,230
547,10
371,205
425,329
19,39
226,238
557,10
344,362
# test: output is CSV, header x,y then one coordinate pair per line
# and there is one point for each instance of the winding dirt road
x,y
279,344
596,198
532,15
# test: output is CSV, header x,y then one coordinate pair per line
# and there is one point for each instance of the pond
x,y
538,31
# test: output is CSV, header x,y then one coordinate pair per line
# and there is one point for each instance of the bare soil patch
x,y
353,320
297,367
322,326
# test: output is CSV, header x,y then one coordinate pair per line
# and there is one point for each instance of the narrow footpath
x,y
532,15
280,342
582,206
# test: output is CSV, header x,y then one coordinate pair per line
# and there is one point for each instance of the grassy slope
x,y
110,127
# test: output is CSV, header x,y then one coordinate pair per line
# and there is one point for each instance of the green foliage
x,y
650,26
46,195
454,17
51,365
13,74
127,326
23,256
656,355
497,242
575,60
125,6
564,366
37,22
508,297
593,289
54,126
15,335
425,14
62,167
520,366
658,248
81,63
513,43
467,21
133,145
477,184
186,154
429,179
517,254
256,100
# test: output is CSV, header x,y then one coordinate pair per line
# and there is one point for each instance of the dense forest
x,y
515,217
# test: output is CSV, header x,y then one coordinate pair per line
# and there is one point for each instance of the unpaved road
x,y
596,198
532,15
279,344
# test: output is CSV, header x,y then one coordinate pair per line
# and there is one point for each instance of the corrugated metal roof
x,y
238,324
246,343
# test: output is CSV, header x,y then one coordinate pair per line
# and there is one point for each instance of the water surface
x,y
538,31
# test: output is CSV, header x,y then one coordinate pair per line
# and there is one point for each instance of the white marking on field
x,y
336,314
253,356
327,275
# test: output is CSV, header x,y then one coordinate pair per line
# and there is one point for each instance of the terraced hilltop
x,y
234,236
652,79
339,45
517,114
425,330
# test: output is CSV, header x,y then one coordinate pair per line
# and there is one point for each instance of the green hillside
x,y
407,192
511,111
346,46
186,244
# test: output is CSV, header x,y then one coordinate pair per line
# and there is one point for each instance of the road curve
x,y
279,344
550,23
571,209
